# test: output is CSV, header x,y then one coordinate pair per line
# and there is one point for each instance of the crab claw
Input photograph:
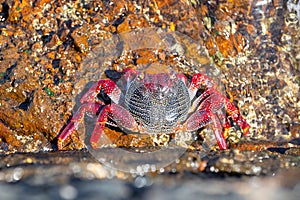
x,y
219,135
236,116
108,86
116,113
202,118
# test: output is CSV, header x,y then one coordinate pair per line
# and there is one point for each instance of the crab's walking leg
x,y
109,87
100,124
75,121
118,114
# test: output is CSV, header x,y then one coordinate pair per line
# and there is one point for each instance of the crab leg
x,y
215,101
108,86
100,124
75,121
118,114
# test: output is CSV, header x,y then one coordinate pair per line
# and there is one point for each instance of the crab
x,y
155,103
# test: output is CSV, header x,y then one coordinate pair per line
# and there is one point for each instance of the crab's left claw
x,y
219,135
202,118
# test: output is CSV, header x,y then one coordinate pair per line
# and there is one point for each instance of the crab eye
x,y
140,76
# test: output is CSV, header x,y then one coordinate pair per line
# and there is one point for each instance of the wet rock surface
x,y
231,174
44,44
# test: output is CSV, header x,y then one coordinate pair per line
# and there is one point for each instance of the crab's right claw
x,y
108,86
117,114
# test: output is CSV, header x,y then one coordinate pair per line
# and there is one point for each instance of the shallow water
x,y
77,175
282,186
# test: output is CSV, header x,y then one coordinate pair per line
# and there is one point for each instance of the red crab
x,y
155,103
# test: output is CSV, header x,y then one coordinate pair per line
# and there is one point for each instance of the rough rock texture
x,y
43,45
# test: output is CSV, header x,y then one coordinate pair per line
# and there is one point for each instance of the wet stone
x,y
70,174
